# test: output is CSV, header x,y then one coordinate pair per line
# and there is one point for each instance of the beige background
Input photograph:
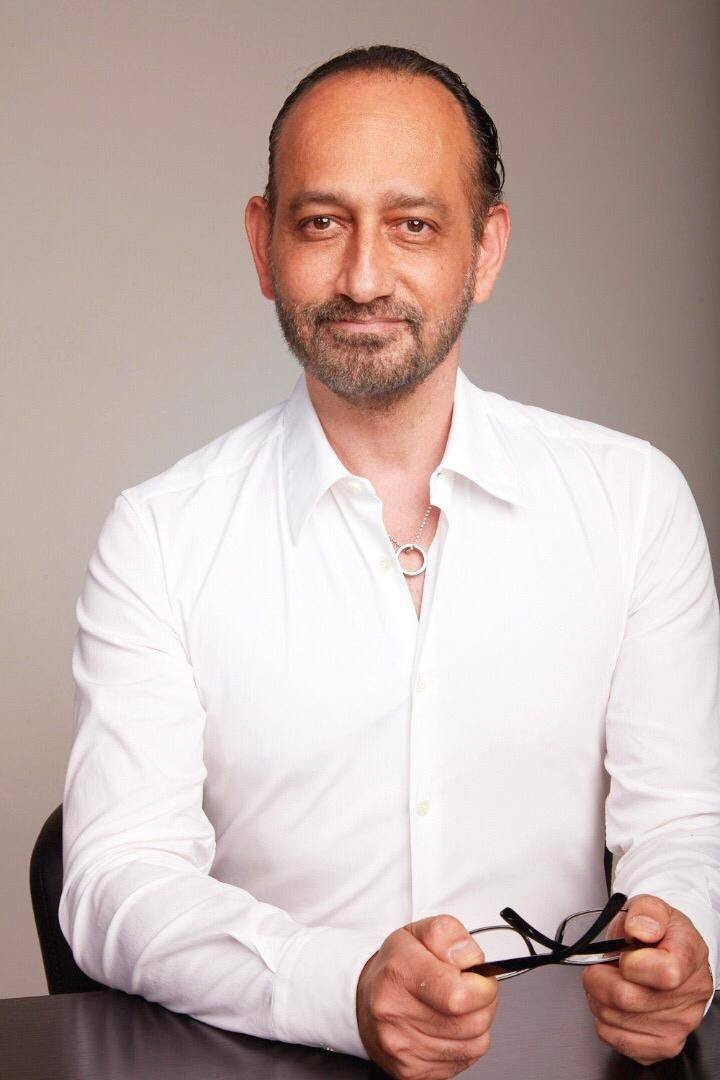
x,y
132,330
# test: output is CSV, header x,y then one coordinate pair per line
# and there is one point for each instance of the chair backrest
x,y
46,879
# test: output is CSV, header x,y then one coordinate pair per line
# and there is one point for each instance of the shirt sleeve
x,y
138,907
663,715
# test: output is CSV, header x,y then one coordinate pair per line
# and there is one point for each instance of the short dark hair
x,y
488,174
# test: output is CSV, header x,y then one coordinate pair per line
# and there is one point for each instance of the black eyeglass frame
x,y
559,953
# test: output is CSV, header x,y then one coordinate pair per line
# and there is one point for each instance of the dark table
x,y
543,1030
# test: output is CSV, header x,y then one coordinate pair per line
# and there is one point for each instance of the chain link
x,y
419,532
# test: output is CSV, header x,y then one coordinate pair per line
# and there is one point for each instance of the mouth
x,y
374,325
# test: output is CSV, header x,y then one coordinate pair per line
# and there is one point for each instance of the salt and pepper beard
x,y
370,370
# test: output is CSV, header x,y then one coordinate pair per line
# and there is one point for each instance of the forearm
x,y
208,949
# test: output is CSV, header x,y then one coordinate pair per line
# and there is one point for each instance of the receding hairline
x,y
469,154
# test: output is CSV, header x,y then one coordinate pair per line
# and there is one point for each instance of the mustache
x,y
337,309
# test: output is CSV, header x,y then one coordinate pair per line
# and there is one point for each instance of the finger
x,y
657,1024
658,969
647,919
440,986
606,985
447,939
645,1049
462,1053
453,993
432,1024
447,947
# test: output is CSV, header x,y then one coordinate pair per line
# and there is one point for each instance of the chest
x,y
304,654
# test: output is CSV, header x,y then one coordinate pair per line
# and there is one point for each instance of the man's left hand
x,y
646,1006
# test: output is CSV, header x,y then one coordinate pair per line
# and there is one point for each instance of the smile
x,y
367,324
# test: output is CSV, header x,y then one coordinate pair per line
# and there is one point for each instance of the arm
x,y
663,716
138,906
663,750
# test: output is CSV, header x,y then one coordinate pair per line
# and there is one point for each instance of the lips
x,y
368,322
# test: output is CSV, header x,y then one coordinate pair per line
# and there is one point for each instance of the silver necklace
x,y
414,546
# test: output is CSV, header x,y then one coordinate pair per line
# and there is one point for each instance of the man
x,y
397,652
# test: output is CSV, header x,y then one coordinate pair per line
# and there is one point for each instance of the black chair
x,y
46,878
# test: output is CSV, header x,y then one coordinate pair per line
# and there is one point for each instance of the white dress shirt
x,y
276,763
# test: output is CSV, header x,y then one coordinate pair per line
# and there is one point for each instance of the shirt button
x,y
420,685
423,807
385,563
355,486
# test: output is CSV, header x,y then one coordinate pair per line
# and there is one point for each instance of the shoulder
x,y
583,451
223,459
533,421
595,464
591,462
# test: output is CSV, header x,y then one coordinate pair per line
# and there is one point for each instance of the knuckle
x,y
671,975
625,997
618,1040
457,1001
391,1042
482,1022
395,971
443,927
595,1007
383,1007
605,1014
694,1018
480,1045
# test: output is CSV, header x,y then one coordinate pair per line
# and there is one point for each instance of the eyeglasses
x,y
577,941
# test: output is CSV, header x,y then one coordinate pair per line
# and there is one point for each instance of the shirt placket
x,y
416,661
424,705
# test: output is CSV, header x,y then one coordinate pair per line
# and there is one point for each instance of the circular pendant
x,y
411,547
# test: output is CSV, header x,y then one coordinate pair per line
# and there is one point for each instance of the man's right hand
x,y
419,1014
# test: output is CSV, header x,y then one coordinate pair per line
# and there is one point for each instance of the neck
x,y
404,441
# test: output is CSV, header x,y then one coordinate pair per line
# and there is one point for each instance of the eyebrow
x,y
389,200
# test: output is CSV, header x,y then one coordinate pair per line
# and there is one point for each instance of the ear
x,y
491,252
258,227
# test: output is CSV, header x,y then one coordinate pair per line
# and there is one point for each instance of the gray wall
x,y
132,330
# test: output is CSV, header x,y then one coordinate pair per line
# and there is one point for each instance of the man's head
x,y
383,207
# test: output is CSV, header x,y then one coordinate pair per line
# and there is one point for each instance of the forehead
x,y
365,131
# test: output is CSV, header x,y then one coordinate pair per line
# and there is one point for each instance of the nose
x,y
366,271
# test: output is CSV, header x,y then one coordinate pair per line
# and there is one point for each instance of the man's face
x,y
372,258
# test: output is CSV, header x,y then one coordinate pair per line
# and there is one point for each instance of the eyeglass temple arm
x,y
611,909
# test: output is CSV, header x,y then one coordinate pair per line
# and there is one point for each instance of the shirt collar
x,y
474,450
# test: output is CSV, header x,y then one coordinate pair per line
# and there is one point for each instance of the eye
x,y
319,224
416,226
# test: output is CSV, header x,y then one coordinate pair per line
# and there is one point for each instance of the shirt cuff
x,y
314,996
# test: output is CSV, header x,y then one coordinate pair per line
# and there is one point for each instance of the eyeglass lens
x,y
575,926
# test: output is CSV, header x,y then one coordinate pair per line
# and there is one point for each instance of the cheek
x,y
304,275
437,287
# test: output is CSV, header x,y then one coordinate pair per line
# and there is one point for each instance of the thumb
x,y
647,918
465,953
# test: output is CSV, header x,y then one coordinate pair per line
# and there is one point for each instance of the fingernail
x,y
644,925
465,952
